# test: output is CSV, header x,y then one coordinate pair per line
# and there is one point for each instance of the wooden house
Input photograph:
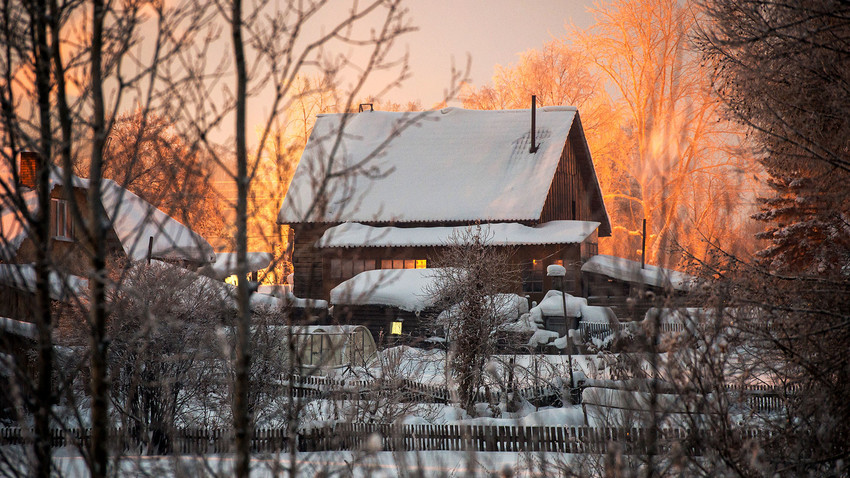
x,y
137,230
384,190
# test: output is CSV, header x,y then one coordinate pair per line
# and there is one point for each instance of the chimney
x,y
28,168
534,146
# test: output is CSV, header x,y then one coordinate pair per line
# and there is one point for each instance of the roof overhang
x,y
352,234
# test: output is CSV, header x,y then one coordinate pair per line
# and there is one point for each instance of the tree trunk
x,y
241,412
98,316
44,392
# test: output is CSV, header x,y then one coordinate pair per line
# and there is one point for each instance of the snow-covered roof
x,y
446,165
62,287
630,271
16,327
352,234
402,288
133,219
225,263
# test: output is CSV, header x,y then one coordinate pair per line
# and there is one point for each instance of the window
x,y
61,223
336,268
532,276
396,328
589,249
348,268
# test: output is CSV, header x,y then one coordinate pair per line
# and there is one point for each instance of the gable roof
x,y
447,165
132,218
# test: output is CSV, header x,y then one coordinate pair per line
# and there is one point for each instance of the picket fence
x,y
764,398
601,330
386,437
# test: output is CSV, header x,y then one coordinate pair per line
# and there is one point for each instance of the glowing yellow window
x,y
396,328
232,280
421,264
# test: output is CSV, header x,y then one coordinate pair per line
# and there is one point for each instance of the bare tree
x,y
470,276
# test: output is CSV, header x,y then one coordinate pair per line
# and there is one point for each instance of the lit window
x,y
421,264
232,280
396,328
532,276
410,264
386,264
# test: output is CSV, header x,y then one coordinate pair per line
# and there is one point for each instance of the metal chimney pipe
x,y
534,146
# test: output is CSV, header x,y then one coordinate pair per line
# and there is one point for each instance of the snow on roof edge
x,y
402,288
353,234
627,270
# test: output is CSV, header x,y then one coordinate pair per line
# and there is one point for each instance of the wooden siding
x,y
573,194
567,198
17,304
307,261
379,318
568,254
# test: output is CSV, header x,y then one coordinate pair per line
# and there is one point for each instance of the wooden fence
x,y
409,391
760,398
356,436
601,330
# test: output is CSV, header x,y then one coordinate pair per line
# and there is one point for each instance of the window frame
x,y
61,221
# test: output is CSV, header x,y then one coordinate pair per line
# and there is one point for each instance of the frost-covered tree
x,y
808,227
780,68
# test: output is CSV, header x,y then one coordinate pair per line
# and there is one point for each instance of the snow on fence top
x,y
402,288
630,271
352,234
133,219
451,164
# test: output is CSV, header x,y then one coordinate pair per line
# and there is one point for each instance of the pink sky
x,y
490,31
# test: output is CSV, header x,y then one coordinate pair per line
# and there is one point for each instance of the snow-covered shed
x,y
609,275
381,299
383,190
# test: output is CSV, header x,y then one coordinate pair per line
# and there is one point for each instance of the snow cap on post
x,y
555,270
